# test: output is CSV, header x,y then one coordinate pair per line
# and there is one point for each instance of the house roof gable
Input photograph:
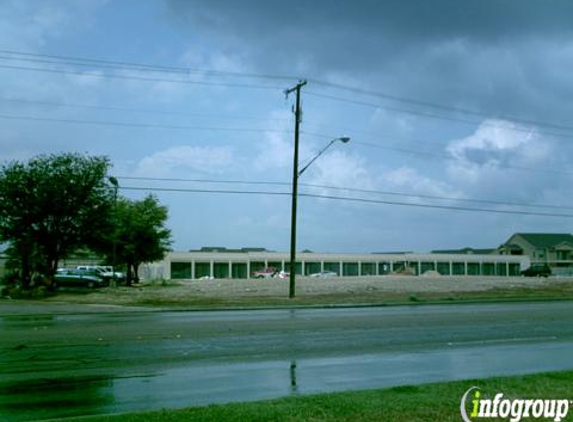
x,y
545,240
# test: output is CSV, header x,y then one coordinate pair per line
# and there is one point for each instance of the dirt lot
x,y
317,291
308,286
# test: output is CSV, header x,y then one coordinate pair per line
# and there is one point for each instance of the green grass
x,y
438,402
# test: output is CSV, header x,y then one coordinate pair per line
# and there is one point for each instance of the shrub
x,y
15,292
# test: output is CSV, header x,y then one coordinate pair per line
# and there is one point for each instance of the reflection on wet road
x,y
81,364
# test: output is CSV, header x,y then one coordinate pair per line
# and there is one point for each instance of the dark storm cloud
x,y
502,56
476,19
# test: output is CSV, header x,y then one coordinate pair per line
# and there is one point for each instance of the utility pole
x,y
297,113
115,185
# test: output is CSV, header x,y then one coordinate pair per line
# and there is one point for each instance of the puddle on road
x,y
207,382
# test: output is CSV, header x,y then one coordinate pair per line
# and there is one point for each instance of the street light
x,y
115,185
343,139
296,175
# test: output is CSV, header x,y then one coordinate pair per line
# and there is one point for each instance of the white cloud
x,y
409,180
276,149
507,162
341,169
275,152
495,146
184,159
493,135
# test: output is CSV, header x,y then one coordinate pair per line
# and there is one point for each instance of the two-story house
x,y
553,249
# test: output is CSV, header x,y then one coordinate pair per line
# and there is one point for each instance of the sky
x,y
451,106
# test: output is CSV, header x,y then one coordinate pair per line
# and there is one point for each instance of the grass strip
x,y
429,402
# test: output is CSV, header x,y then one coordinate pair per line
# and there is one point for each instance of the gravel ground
x,y
274,291
308,286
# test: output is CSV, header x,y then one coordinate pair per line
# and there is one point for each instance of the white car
x,y
266,273
325,274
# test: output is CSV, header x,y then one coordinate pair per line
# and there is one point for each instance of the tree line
x,y
55,205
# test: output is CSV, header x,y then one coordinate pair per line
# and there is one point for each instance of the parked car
x,y
79,278
266,273
537,270
325,274
105,272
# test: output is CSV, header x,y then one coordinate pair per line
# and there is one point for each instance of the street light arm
x,y
316,156
343,139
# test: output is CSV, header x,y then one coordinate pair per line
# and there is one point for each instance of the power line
x,y
176,179
222,191
434,155
159,126
379,192
443,107
137,125
451,158
350,199
122,65
141,78
143,66
443,198
218,115
265,87
269,87
244,130
442,207
433,115
371,134
138,110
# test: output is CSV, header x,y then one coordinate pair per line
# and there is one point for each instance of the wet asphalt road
x,y
56,365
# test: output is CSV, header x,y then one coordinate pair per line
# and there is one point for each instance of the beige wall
x,y
520,241
395,261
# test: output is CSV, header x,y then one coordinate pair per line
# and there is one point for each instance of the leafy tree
x,y
51,206
140,233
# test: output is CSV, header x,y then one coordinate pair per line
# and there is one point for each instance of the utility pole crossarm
x,y
295,88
